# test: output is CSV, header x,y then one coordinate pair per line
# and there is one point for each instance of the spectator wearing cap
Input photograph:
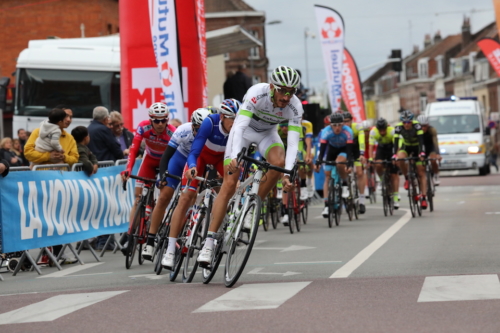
x,y
102,141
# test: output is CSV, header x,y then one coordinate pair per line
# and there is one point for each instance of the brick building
x,y
224,13
24,20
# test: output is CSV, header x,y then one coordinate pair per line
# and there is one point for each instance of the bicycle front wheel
x,y
291,211
304,212
191,264
265,215
411,199
241,244
430,192
134,235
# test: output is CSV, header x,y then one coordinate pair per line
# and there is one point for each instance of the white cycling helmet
x,y
229,107
199,115
284,76
423,120
158,110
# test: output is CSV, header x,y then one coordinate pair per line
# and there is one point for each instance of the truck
x,y
79,72
464,138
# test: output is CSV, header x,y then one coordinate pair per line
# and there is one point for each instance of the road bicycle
x,y
431,187
387,190
351,203
413,196
372,184
296,208
138,229
233,238
334,194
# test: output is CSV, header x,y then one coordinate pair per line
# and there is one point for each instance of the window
x,y
226,56
254,51
452,67
423,68
423,102
465,65
439,63
455,124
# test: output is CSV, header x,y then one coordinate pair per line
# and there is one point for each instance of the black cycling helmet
x,y
406,115
347,115
381,124
336,118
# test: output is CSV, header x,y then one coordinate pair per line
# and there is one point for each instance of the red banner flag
x,y
351,88
491,50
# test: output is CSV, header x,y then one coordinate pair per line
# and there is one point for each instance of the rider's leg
x,y
275,156
341,168
422,179
164,198
361,177
220,203
379,168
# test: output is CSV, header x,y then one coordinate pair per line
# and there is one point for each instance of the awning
x,y
230,39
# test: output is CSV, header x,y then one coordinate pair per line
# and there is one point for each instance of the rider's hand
x,y
233,166
362,159
95,169
191,173
309,159
287,185
422,156
394,159
439,157
161,183
125,175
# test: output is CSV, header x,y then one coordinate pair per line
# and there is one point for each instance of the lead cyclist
x,y
264,106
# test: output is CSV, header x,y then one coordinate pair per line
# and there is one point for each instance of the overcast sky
x,y
373,28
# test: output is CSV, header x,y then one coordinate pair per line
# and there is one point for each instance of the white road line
x,y
254,297
55,307
33,292
460,288
367,252
71,270
307,262
454,173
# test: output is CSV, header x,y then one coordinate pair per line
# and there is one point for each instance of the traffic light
x,y
397,65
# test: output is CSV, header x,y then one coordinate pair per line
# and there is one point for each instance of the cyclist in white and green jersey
x,y
264,106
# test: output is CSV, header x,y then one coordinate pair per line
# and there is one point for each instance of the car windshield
x,y
456,124
40,90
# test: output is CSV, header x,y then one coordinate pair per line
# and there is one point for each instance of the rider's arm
x,y
435,140
292,144
361,140
134,148
240,124
371,142
420,136
165,158
204,132
397,130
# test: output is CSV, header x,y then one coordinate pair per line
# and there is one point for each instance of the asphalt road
x,y
435,273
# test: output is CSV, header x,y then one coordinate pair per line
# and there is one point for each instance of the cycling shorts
x,y
384,153
147,169
264,140
201,167
333,153
411,151
175,167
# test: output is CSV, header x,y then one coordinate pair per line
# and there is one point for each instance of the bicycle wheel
x,y
348,208
161,243
242,243
275,208
265,216
338,205
133,236
296,207
331,204
411,198
180,247
385,204
140,258
355,199
291,211
430,192
389,192
304,212
197,237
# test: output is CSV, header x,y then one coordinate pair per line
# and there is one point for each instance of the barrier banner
x,y
162,16
331,36
45,208
351,88
491,50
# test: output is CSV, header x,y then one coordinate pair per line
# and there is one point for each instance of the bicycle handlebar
x,y
262,164
146,180
334,163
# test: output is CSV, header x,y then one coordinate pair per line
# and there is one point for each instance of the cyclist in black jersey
x,y
431,145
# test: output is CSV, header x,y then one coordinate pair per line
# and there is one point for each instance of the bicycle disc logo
x,y
167,74
330,29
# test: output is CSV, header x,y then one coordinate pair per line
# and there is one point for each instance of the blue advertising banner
x,y
45,208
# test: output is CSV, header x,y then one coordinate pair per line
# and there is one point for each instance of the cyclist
x,y
383,135
208,148
431,145
338,138
265,105
326,123
412,136
156,134
359,157
307,131
174,157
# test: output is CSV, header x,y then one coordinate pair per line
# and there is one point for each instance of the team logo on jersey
x,y
254,100
279,114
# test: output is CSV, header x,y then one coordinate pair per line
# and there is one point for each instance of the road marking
x,y
491,213
254,297
258,269
150,276
460,288
307,263
286,249
454,173
460,202
55,307
71,270
30,293
367,252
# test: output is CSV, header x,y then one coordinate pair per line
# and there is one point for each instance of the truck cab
x,y
463,137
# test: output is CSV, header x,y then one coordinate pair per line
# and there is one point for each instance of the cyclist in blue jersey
x,y
173,159
339,139
208,148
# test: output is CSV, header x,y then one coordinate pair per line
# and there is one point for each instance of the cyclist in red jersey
x,y
156,133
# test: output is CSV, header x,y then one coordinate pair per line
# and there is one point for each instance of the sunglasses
x,y
286,92
337,125
196,128
160,121
407,122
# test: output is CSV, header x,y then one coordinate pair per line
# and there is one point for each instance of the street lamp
x,y
310,34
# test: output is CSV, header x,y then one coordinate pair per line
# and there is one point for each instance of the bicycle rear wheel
x,y
291,211
265,215
304,212
430,192
133,236
241,244
338,204
190,263
411,198
331,204
180,248
275,209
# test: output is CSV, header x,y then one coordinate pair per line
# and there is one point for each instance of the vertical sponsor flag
x,y
162,16
491,50
351,88
200,18
496,4
331,36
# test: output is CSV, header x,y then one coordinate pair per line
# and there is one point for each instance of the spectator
x,y
236,86
175,122
102,142
4,168
495,150
82,138
123,136
50,132
23,137
17,149
6,154
68,144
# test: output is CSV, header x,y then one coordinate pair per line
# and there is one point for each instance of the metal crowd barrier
x,y
45,167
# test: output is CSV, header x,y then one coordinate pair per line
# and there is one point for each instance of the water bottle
x,y
148,210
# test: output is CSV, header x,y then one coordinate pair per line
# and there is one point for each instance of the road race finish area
x,y
43,208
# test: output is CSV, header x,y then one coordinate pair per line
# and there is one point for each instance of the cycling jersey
x,y
155,144
387,139
337,140
257,119
307,129
182,139
414,137
359,137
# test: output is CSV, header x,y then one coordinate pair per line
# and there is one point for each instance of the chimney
x,y
437,37
466,36
427,41
415,49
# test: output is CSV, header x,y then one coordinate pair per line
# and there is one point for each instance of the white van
x,y
463,137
